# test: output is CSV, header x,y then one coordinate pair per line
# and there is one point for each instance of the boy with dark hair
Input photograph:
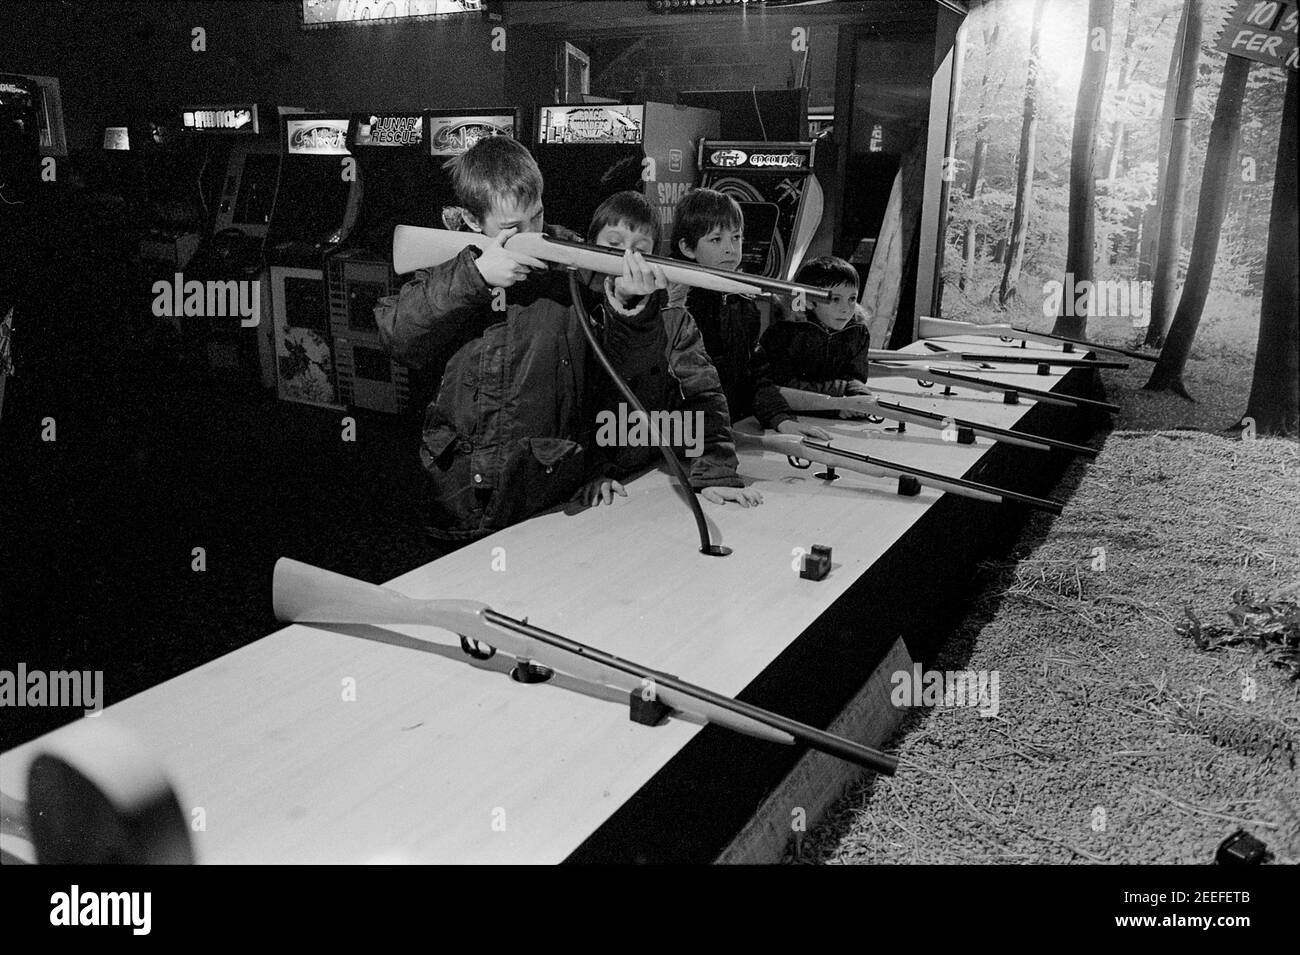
x,y
708,228
511,430
626,220
825,349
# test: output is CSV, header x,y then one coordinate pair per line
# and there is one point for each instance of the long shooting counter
x,y
355,744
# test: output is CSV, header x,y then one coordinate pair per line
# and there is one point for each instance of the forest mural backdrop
x,y
1129,110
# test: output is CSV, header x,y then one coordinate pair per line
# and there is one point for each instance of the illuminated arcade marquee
x,y
317,14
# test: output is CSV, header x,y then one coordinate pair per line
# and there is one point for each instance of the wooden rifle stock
x,y
305,594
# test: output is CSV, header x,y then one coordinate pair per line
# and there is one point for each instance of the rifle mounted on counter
x,y
963,431
937,353
1011,394
801,451
927,327
305,594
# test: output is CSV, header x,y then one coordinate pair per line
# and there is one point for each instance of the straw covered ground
x,y
1113,737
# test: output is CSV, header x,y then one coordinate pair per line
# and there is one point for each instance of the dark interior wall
x,y
716,54
105,53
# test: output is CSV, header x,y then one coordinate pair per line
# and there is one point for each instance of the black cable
x,y
706,545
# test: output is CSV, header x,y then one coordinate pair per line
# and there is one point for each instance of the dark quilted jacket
x,y
511,431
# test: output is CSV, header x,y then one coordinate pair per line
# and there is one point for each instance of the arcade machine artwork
x,y
316,205
399,162
780,196
587,153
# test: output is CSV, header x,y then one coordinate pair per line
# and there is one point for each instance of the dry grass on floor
x,y
1115,740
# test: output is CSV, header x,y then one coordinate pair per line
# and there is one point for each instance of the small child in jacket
x,y
825,349
708,228
511,431
684,381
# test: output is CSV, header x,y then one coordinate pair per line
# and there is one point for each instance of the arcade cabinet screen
x,y
400,180
116,137
311,199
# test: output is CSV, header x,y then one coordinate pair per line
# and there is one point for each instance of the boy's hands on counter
x,y
501,267
599,491
744,496
807,430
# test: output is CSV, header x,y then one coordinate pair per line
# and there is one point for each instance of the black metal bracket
x,y
647,712
816,564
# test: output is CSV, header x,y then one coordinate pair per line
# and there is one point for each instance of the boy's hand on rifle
x,y
501,267
598,491
807,430
855,387
639,278
744,496
854,409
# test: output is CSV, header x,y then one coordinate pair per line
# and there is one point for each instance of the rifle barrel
x,y
988,430
779,286
938,374
1041,503
808,735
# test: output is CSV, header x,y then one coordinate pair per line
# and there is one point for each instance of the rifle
x,y
943,354
941,327
801,451
305,594
415,247
1010,393
965,431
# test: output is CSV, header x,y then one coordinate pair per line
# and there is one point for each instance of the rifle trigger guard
x,y
475,649
874,418
799,463
924,384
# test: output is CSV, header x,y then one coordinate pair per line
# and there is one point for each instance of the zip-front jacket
x,y
803,353
511,431
686,381
729,325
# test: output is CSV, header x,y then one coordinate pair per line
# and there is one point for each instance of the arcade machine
x,y
241,163
316,202
187,150
588,152
400,159
19,178
779,194
20,139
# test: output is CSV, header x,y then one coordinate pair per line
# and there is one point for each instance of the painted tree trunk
x,y
1150,245
1025,165
1080,242
1171,213
1275,390
1220,163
